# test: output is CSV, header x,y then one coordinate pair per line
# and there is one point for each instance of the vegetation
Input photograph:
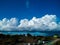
x,y
21,39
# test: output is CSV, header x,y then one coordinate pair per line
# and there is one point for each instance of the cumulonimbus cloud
x,y
47,22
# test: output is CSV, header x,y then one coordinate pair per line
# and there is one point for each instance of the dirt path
x,y
51,43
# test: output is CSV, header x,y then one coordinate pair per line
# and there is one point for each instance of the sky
x,y
29,14
28,8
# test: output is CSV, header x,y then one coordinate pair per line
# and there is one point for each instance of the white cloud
x,y
47,22
6,24
52,25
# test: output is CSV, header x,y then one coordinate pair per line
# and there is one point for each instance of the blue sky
x,y
29,15
28,8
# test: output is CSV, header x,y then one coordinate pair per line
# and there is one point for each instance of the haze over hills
x,y
33,33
